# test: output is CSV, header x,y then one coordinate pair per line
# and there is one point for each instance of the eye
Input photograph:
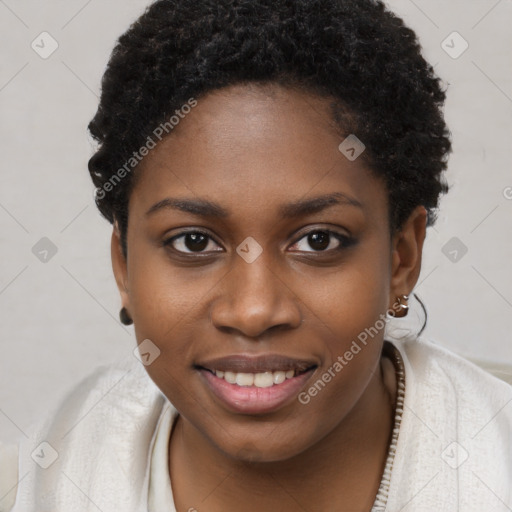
x,y
189,242
323,240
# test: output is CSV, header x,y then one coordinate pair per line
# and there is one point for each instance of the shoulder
x,y
461,393
455,432
427,358
103,423
107,391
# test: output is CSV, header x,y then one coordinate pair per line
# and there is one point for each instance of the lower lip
x,y
253,400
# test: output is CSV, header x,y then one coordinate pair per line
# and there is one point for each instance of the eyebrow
x,y
205,208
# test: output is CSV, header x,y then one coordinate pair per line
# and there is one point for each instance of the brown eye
x,y
319,240
189,242
324,241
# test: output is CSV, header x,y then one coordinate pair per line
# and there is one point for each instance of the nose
x,y
254,298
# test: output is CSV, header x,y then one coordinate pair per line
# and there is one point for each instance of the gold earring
x,y
404,307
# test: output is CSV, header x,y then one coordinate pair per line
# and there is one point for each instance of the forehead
x,y
254,148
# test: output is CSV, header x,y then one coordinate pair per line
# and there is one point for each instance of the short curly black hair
x,y
355,52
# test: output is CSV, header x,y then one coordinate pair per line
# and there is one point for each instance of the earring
x,y
404,307
125,317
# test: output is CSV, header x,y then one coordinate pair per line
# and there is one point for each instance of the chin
x,y
254,450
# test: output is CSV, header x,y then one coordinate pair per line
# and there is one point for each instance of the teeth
x,y
264,380
244,379
279,377
259,380
230,377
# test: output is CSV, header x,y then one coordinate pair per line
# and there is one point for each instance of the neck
x,y
352,456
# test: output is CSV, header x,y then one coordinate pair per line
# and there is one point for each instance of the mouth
x,y
255,385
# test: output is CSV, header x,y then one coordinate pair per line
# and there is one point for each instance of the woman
x,y
270,169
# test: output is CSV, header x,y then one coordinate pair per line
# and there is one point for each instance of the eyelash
x,y
345,241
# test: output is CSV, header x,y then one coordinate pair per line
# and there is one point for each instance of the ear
x,y
406,253
119,265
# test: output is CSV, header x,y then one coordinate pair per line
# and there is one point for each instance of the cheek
x,y
162,296
351,298
349,307
169,305
351,322
165,310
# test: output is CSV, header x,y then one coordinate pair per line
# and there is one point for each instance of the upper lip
x,y
256,364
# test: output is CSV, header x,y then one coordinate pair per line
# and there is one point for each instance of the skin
x,y
252,149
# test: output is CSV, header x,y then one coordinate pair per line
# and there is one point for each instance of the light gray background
x,y
59,320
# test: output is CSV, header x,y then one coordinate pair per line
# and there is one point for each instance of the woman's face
x,y
275,281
